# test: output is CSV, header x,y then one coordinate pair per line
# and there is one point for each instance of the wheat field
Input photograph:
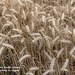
x,y
38,36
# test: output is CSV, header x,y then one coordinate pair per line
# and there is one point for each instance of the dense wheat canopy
x,y
38,36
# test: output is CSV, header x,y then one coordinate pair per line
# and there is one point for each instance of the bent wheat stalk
x,y
24,57
8,46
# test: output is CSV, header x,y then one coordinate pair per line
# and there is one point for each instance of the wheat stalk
x,y
38,27
24,57
48,71
36,39
1,49
29,73
48,56
17,30
65,41
13,10
52,63
35,34
65,65
59,52
72,51
19,1
16,36
2,35
8,46
33,68
56,38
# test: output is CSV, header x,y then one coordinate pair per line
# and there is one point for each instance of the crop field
x,y
37,37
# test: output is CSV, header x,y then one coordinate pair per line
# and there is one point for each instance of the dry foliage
x,y
38,36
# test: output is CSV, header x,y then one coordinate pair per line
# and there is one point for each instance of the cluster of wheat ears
x,y
38,36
